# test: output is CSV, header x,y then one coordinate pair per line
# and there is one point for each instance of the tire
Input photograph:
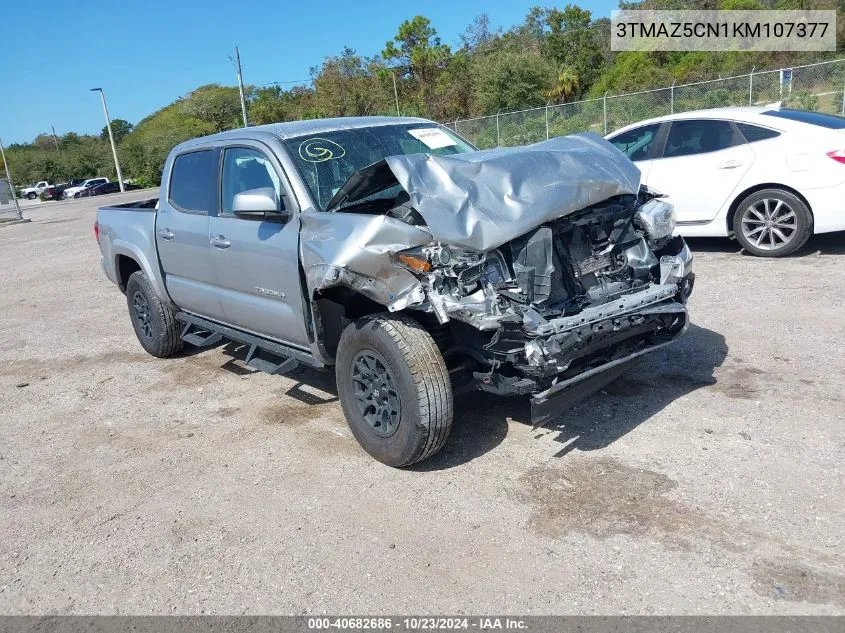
x,y
393,354
77,195
772,223
158,332
31,195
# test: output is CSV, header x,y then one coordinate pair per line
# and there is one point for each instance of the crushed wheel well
x,y
334,308
125,266
768,185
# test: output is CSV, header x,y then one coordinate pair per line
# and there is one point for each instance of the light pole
x,y
241,86
111,137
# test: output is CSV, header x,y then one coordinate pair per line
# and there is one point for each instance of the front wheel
x,y
154,322
772,223
31,195
394,388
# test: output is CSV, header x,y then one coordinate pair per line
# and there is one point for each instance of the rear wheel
x,y
394,388
154,322
772,223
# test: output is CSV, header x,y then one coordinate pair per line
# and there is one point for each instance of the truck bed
x,y
129,230
137,205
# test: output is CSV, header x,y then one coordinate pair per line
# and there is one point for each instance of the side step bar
x,y
263,355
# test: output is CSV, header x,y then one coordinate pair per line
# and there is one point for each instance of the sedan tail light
x,y
97,231
838,155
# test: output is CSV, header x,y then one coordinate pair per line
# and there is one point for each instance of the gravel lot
x,y
708,480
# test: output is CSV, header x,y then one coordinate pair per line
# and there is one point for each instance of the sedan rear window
x,y
754,133
830,121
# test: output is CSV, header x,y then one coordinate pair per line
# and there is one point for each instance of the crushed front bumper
x,y
563,395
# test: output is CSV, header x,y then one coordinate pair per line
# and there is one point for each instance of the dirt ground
x,y
708,480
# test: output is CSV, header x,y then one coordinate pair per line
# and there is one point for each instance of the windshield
x,y
326,161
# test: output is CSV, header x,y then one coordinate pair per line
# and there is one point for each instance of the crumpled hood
x,y
483,199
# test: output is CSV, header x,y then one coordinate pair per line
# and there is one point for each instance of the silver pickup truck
x,y
413,263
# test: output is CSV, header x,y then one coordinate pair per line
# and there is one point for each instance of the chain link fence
x,y
9,207
819,87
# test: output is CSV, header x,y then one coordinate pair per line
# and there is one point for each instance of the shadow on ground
x,y
825,244
481,420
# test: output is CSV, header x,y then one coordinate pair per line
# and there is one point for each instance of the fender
x,y
153,271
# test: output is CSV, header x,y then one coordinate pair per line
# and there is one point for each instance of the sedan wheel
x,y
772,223
769,224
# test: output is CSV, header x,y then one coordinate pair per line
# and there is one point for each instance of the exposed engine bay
x,y
581,288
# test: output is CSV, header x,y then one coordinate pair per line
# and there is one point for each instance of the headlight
x,y
414,259
423,259
657,218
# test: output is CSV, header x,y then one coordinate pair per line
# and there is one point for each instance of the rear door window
x,y
687,138
193,182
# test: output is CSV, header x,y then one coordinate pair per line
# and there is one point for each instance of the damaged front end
x,y
561,310
554,311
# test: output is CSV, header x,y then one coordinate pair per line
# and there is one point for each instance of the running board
x,y
264,355
200,338
257,359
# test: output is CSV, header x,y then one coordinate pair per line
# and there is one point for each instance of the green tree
x,y
119,129
575,43
219,106
512,80
349,85
418,55
567,84
273,104
478,36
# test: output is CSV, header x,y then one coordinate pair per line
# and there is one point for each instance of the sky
x,y
146,54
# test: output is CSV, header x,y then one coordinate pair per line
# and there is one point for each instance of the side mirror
x,y
258,204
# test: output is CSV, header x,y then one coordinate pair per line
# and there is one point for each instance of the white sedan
x,y
770,176
71,192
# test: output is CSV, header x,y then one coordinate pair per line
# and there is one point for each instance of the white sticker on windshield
x,y
434,137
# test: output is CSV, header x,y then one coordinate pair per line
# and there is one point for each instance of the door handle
x,y
220,241
166,234
730,164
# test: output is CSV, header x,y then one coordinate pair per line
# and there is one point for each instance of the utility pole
x,y
9,180
111,137
395,92
55,138
241,85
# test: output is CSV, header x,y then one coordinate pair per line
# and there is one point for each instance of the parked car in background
x,y
56,192
33,192
391,249
71,192
769,176
104,188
